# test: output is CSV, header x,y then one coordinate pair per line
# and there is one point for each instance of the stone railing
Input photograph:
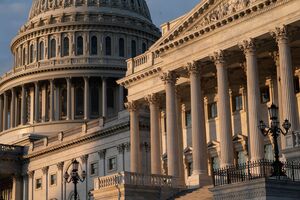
x,y
61,62
129,178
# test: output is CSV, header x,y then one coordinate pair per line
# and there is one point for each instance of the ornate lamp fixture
x,y
275,131
74,176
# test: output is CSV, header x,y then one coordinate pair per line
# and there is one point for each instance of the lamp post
x,y
74,176
275,131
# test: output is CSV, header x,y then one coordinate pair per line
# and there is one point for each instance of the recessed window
x,y
133,48
31,53
112,164
52,48
38,183
237,103
264,94
108,46
94,44
53,179
188,118
94,168
212,110
297,85
121,47
41,50
79,49
66,45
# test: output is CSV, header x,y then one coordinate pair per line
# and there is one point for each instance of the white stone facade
x,y
61,102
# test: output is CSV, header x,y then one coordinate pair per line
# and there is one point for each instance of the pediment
x,y
206,14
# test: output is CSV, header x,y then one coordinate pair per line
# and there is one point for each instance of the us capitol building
x,y
193,98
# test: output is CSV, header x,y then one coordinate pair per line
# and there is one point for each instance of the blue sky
x,y
14,13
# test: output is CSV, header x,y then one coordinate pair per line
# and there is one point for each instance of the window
x,y
41,51
79,49
63,102
188,118
121,47
189,168
133,48
38,183
94,169
212,110
66,45
112,164
144,47
53,179
108,46
52,48
79,101
94,88
110,97
23,57
237,103
264,94
94,43
297,85
31,53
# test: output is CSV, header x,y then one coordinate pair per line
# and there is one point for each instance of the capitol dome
x,y
67,58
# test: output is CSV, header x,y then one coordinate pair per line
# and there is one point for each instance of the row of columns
x,y
288,104
21,114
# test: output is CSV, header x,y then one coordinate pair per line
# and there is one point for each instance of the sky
x,y
14,13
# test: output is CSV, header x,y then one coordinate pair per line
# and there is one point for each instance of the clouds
x,y
14,13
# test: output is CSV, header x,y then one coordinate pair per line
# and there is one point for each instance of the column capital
x,y
193,68
169,77
218,57
152,99
102,153
30,174
45,170
86,78
280,34
60,165
247,46
131,106
121,148
84,158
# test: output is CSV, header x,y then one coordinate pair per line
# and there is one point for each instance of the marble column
x,y
12,108
134,137
60,179
17,188
69,102
153,101
36,102
104,97
23,105
1,113
224,112
121,98
51,100
5,111
200,165
256,139
289,105
86,98
169,79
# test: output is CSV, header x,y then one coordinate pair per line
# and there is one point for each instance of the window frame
x,y
116,164
96,169
36,184
50,183
211,114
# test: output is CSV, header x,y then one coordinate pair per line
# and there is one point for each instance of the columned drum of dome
x,y
68,56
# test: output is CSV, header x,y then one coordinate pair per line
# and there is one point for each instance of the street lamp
x,y
275,131
74,176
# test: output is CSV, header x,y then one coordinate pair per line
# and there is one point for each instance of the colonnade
x,y
199,143
43,101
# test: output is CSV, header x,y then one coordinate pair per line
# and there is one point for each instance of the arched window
x,y
31,53
63,103
133,48
94,43
79,101
41,51
108,46
52,48
66,45
121,47
144,47
79,49
24,56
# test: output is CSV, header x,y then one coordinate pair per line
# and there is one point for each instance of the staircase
x,y
194,194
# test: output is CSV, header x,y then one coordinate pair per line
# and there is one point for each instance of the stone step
x,y
195,194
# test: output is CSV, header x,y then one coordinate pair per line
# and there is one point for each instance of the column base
x,y
198,180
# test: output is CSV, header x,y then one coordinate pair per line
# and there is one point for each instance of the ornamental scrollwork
x,y
280,34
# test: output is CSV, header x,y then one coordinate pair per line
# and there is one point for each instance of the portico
x,y
226,76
